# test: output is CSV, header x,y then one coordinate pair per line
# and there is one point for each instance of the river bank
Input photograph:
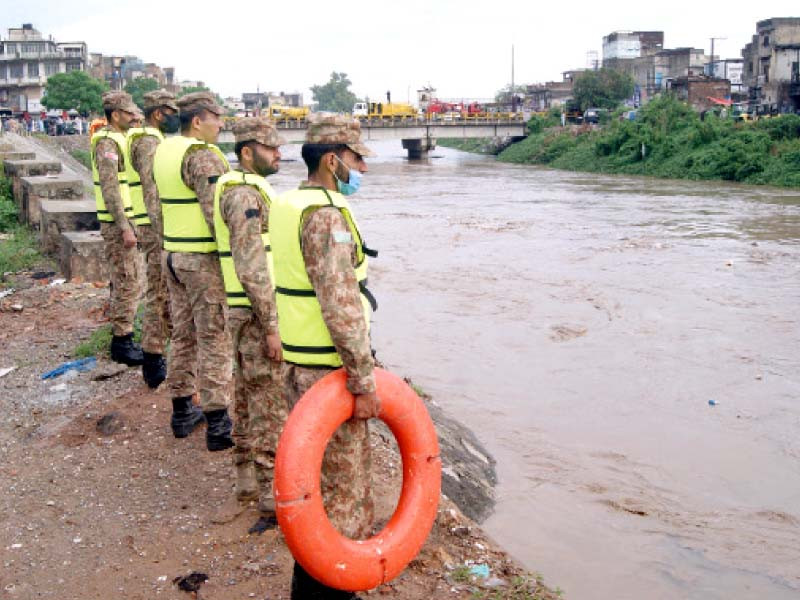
x,y
667,140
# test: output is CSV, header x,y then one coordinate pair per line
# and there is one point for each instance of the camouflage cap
x,y
198,100
117,100
158,99
329,128
257,129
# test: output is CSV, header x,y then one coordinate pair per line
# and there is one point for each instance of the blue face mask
x,y
346,188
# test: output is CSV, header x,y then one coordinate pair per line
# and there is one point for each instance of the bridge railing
x,y
405,121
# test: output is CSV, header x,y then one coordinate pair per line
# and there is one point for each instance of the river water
x,y
581,325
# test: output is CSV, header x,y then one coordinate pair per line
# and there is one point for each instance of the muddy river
x,y
629,351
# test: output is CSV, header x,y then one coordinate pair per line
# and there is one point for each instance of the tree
x,y
75,89
192,90
604,88
504,95
335,96
139,87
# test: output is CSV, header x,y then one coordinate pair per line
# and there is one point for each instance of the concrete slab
x,y
13,155
83,256
16,169
46,187
58,216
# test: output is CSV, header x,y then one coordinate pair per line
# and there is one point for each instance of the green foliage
x,y
504,94
335,96
75,89
539,122
8,209
192,90
98,344
677,144
139,87
604,88
82,156
20,251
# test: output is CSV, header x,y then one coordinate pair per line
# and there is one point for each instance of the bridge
x,y
418,135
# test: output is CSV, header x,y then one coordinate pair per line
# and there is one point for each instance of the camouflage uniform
x,y
123,262
155,322
330,265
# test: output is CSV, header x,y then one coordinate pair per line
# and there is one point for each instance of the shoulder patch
x,y
111,155
342,237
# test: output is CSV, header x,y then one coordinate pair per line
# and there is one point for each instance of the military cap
x,y
158,99
257,129
329,128
116,100
198,100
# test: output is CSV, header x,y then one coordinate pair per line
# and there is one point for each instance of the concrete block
x,y
16,169
47,187
83,256
14,155
58,216
6,147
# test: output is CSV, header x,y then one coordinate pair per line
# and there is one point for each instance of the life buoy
x,y
327,555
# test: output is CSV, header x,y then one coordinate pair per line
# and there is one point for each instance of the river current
x,y
628,349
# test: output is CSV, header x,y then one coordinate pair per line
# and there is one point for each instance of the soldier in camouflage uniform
x,y
333,256
186,169
109,156
161,116
241,213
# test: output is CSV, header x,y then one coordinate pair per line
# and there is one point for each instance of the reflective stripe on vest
x,y
234,292
304,336
140,216
185,227
103,215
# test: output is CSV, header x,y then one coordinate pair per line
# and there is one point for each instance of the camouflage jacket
x,y
143,149
109,162
200,170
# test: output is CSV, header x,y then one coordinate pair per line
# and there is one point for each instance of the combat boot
x,y
218,433
125,351
154,369
246,484
185,416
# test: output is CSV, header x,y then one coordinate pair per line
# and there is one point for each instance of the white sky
x,y
462,48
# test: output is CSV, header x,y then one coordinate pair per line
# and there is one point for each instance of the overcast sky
x,y
461,48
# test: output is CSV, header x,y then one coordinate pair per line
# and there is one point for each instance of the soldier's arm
x,y
241,208
108,163
200,170
328,253
143,150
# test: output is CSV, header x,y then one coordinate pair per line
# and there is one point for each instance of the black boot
x,y
154,369
218,433
125,351
305,587
185,416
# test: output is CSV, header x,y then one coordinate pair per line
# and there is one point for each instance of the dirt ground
x,y
91,513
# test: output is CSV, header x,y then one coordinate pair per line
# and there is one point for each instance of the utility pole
x,y
713,39
513,107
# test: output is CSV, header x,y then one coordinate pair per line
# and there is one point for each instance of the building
x,y
255,102
27,60
633,53
543,96
772,66
119,71
702,92
732,70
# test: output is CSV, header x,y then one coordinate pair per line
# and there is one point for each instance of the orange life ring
x,y
327,555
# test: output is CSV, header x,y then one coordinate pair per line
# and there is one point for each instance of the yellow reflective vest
x,y
140,216
124,160
234,291
185,228
304,336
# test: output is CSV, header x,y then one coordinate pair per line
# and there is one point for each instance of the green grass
x,y
20,251
82,156
8,209
99,342
677,145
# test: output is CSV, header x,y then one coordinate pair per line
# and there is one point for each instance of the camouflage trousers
x,y
346,485
155,322
259,408
200,356
124,271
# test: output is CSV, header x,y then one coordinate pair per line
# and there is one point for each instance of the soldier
x,y
161,116
323,314
241,211
109,162
186,169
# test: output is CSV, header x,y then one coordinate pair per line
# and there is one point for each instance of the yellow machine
x,y
384,110
278,112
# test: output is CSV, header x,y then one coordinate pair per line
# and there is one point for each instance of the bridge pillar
x,y
418,148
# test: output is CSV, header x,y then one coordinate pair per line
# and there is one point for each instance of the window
x,y
766,40
3,72
15,71
33,69
50,68
73,67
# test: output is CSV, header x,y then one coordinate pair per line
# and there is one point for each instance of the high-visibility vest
x,y
234,291
185,228
304,336
122,150
140,216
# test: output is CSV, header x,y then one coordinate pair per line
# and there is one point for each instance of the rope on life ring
x,y
327,555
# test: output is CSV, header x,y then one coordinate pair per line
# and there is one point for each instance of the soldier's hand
x,y
128,238
274,347
367,406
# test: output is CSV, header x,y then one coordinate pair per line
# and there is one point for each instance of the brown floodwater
x,y
581,325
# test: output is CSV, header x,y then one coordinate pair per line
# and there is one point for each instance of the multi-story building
x,y
772,66
118,71
730,69
27,60
633,52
